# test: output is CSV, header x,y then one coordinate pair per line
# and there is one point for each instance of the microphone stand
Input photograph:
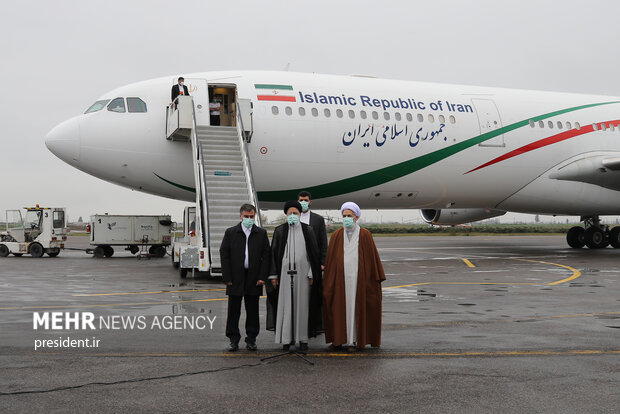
x,y
292,273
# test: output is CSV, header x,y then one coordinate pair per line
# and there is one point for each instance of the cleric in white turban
x,y
350,205
352,285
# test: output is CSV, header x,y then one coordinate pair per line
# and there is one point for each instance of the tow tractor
x,y
41,230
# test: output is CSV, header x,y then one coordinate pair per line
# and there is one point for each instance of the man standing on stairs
x,y
179,89
246,260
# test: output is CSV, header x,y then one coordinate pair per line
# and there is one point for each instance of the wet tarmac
x,y
470,324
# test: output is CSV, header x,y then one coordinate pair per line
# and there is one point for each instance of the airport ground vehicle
x,y
133,232
40,231
185,248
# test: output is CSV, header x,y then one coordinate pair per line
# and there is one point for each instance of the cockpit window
x,y
136,105
97,106
117,105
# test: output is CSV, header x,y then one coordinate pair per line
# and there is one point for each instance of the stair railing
x,y
247,168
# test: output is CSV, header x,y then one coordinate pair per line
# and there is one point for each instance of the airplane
x,y
458,153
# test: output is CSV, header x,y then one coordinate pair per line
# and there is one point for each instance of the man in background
x,y
315,221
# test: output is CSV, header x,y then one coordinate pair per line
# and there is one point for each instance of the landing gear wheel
x,y
36,250
4,251
52,254
574,237
99,252
595,238
614,237
108,251
183,273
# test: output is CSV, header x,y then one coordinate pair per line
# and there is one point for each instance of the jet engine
x,y
454,216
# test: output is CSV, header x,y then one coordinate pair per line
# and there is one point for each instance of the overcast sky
x,y
58,57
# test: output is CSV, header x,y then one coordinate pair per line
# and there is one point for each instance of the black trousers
x,y
252,323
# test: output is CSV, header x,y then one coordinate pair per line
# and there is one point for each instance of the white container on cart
x,y
133,232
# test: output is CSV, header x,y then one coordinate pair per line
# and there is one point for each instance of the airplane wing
x,y
602,170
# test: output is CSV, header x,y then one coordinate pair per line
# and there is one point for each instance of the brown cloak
x,y
370,274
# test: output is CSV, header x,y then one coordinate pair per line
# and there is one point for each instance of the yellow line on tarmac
x,y
146,293
360,354
575,275
467,262
111,304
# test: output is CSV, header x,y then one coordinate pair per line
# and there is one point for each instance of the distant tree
x,y
80,220
537,218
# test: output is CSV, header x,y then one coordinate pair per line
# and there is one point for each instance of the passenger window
x,y
532,124
420,118
568,126
386,115
315,112
339,113
136,105
397,116
327,113
351,114
550,124
302,111
363,114
541,124
375,115
431,118
577,125
595,127
275,110
442,119
560,126
409,117
452,119
117,105
97,106
288,110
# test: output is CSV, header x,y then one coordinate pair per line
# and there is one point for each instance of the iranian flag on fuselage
x,y
271,92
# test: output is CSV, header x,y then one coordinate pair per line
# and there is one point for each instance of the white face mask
x,y
181,83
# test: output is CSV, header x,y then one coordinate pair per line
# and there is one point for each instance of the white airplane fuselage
x,y
382,143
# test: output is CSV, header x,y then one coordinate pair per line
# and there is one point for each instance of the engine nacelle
x,y
454,216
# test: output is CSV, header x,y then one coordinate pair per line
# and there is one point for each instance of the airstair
x,y
223,177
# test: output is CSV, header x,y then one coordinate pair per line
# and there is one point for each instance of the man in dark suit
x,y
315,221
179,89
246,260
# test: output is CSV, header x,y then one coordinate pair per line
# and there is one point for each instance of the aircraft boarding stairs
x,y
223,179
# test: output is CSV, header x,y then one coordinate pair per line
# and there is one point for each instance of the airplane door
x,y
489,120
244,106
199,90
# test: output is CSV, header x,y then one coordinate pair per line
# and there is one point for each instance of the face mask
x,y
293,219
248,222
348,222
304,205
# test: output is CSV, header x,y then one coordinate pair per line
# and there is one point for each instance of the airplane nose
x,y
64,141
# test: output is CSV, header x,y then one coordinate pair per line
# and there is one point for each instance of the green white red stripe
x,y
273,92
548,141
